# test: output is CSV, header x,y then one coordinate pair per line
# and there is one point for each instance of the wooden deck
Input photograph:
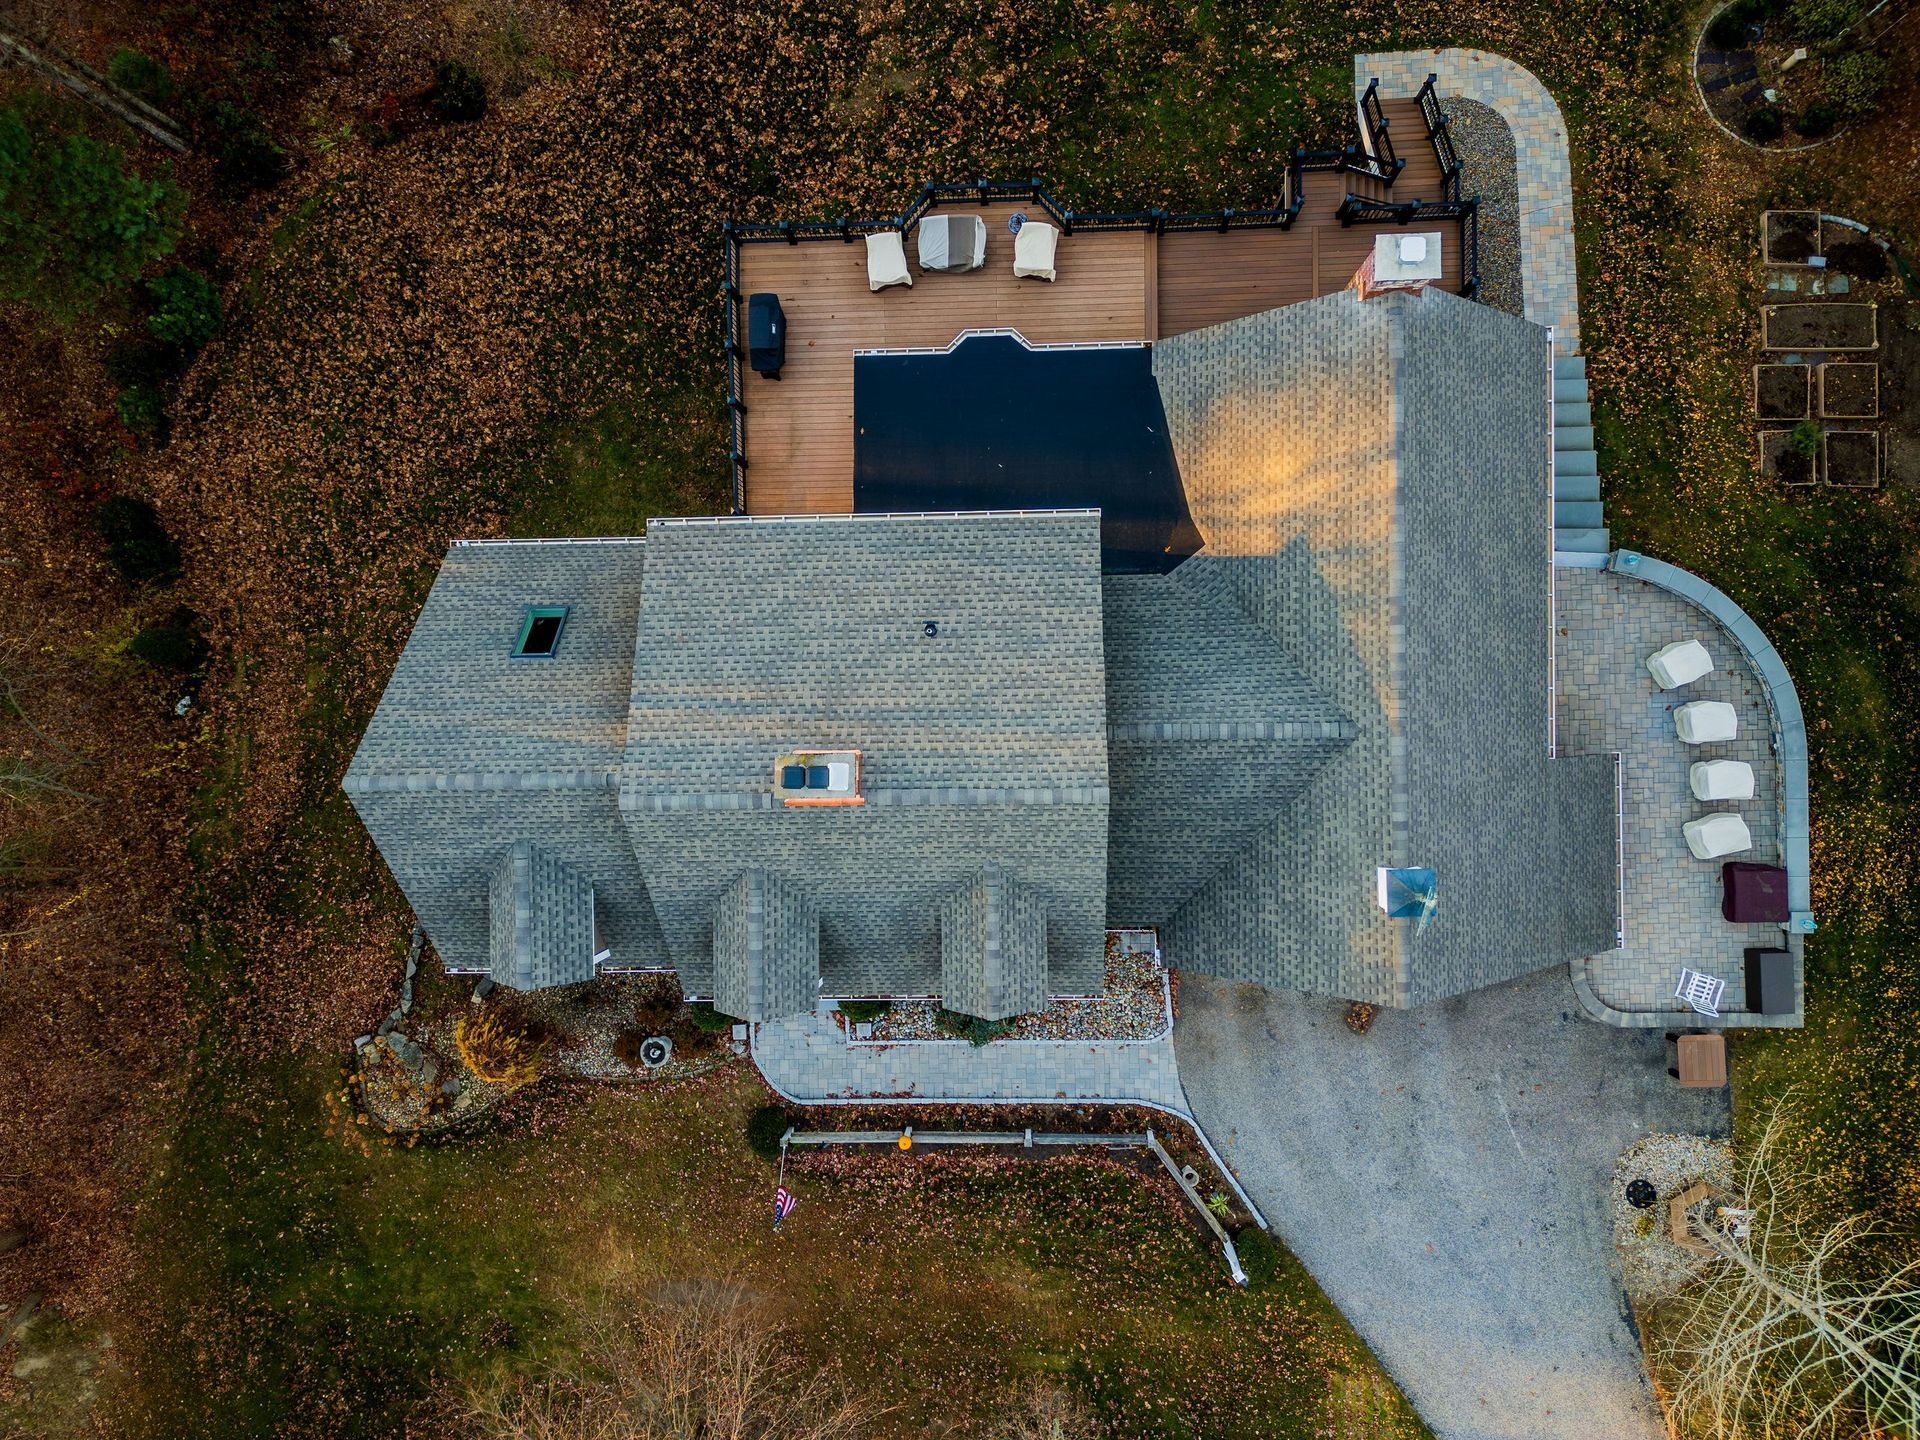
x,y
1128,285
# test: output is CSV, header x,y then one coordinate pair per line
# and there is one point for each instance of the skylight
x,y
540,631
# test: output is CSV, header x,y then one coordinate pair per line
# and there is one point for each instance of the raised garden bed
x,y
1818,325
1849,391
1789,237
1781,463
1852,253
1853,459
1780,392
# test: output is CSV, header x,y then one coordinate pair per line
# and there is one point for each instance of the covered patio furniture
x,y
1769,982
1033,250
1752,894
1721,779
887,260
1703,721
766,334
1712,836
952,243
1698,1062
1701,991
1680,663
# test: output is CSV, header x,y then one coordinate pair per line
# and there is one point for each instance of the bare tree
x,y
693,1361
1789,1334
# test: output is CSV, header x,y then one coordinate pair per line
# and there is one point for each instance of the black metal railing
x,y
1441,138
1378,160
1373,126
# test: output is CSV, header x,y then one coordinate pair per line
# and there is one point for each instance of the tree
x,y
186,308
75,223
1788,1332
138,545
695,1361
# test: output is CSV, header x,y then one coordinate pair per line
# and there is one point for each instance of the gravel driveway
x,y
1443,1176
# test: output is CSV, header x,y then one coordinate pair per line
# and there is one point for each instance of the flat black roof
x,y
994,424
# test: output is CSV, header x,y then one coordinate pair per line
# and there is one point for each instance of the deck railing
x,y
1441,139
1373,125
1376,161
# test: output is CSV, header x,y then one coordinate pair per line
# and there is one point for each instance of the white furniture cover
x,y
952,243
886,260
1701,721
1712,836
1721,779
1680,663
1033,250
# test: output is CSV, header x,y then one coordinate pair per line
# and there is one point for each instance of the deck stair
x,y
1579,521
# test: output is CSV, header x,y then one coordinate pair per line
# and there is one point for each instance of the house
x,y
576,764
1209,587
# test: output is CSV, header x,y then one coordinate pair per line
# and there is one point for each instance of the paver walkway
x,y
809,1060
1444,1178
1549,280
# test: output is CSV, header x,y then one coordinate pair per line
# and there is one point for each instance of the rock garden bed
x,y
418,1083
1818,325
1652,1265
1853,459
1849,391
1132,1005
1782,462
1780,392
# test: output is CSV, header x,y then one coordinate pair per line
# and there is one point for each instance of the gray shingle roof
x,y
987,739
471,750
540,920
1371,482
1211,729
993,947
766,949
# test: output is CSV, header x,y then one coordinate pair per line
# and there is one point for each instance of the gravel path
x,y
1485,146
1445,1177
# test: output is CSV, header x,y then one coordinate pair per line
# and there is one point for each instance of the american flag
x,y
783,1203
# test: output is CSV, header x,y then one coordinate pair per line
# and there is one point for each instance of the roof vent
x,y
930,629
818,777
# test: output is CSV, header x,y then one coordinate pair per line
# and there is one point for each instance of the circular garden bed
x,y
1786,74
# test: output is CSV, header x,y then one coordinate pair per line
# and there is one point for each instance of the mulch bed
x,y
1790,237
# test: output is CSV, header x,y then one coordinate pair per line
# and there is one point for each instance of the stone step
x,y
1581,542
1575,487
1567,367
1571,412
1573,437
1571,390
1578,515
1575,462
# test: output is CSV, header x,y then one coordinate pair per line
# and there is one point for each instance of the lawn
x,y
510,328
321,1282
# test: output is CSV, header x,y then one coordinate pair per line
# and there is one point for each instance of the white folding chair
x,y
1701,991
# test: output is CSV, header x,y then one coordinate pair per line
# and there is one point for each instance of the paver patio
x,y
1608,702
